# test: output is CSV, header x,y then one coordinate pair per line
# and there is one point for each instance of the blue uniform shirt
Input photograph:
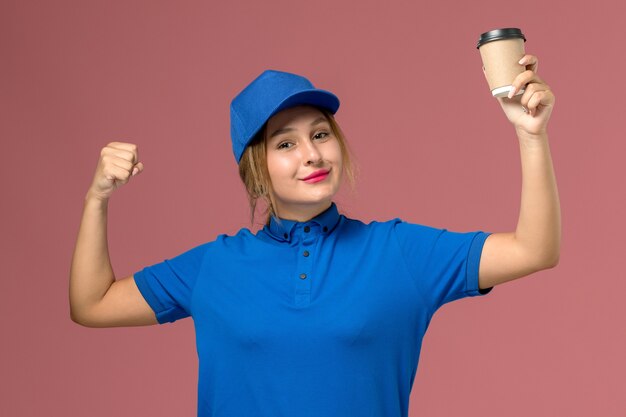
x,y
321,318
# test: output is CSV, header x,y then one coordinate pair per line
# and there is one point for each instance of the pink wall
x,y
433,147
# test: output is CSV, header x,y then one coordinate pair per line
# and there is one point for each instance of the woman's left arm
x,y
535,244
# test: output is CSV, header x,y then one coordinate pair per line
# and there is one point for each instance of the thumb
x,y
137,169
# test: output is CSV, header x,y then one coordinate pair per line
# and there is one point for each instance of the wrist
x,y
94,199
524,135
533,143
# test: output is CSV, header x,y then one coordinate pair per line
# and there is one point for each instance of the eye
x,y
284,145
280,146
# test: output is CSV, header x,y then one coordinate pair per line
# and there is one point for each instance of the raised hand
x,y
118,162
530,112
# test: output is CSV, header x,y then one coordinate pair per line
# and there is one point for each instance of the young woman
x,y
316,314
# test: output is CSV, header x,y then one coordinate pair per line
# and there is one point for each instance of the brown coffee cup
x,y
500,50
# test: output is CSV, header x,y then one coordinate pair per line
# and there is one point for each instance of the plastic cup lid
x,y
499,34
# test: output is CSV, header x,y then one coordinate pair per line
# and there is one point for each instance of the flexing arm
x,y
96,298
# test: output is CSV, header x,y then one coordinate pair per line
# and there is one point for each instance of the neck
x,y
303,213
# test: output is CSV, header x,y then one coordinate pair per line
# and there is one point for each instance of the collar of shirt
x,y
287,230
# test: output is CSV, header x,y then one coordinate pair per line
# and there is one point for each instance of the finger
x,y
543,98
129,147
523,80
113,172
534,101
530,61
122,163
122,145
121,153
531,89
113,158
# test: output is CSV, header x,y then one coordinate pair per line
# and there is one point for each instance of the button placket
x,y
304,267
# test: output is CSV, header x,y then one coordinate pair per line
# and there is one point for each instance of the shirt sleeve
x,y
444,263
167,286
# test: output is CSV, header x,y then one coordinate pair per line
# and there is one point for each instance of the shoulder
x,y
407,232
396,224
370,227
373,224
241,237
224,241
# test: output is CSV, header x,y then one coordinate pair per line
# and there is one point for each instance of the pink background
x,y
433,146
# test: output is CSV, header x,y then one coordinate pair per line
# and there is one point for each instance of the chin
x,y
313,200
324,195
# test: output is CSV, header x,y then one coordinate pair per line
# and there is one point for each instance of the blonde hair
x,y
255,175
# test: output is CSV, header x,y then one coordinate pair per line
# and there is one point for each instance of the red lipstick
x,y
321,172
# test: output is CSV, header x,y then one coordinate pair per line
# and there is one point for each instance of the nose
x,y
311,153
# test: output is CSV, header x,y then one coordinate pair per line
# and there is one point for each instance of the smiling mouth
x,y
320,173
317,178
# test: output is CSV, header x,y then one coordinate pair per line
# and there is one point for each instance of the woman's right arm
x,y
97,299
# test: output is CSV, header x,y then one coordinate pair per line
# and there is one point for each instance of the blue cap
x,y
269,93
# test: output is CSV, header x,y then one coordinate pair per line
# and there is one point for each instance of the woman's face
x,y
300,142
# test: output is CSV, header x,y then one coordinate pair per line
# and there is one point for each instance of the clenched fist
x,y
118,162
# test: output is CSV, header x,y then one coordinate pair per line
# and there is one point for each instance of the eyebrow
x,y
289,129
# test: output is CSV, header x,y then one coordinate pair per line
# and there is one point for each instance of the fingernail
x,y
521,61
511,92
135,170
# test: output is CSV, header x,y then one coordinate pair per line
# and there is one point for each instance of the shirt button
x,y
302,276
306,253
325,229
306,229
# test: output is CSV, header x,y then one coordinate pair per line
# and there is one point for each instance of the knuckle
x,y
523,78
129,156
123,154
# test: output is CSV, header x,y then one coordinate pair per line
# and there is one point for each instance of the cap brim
x,y
315,97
